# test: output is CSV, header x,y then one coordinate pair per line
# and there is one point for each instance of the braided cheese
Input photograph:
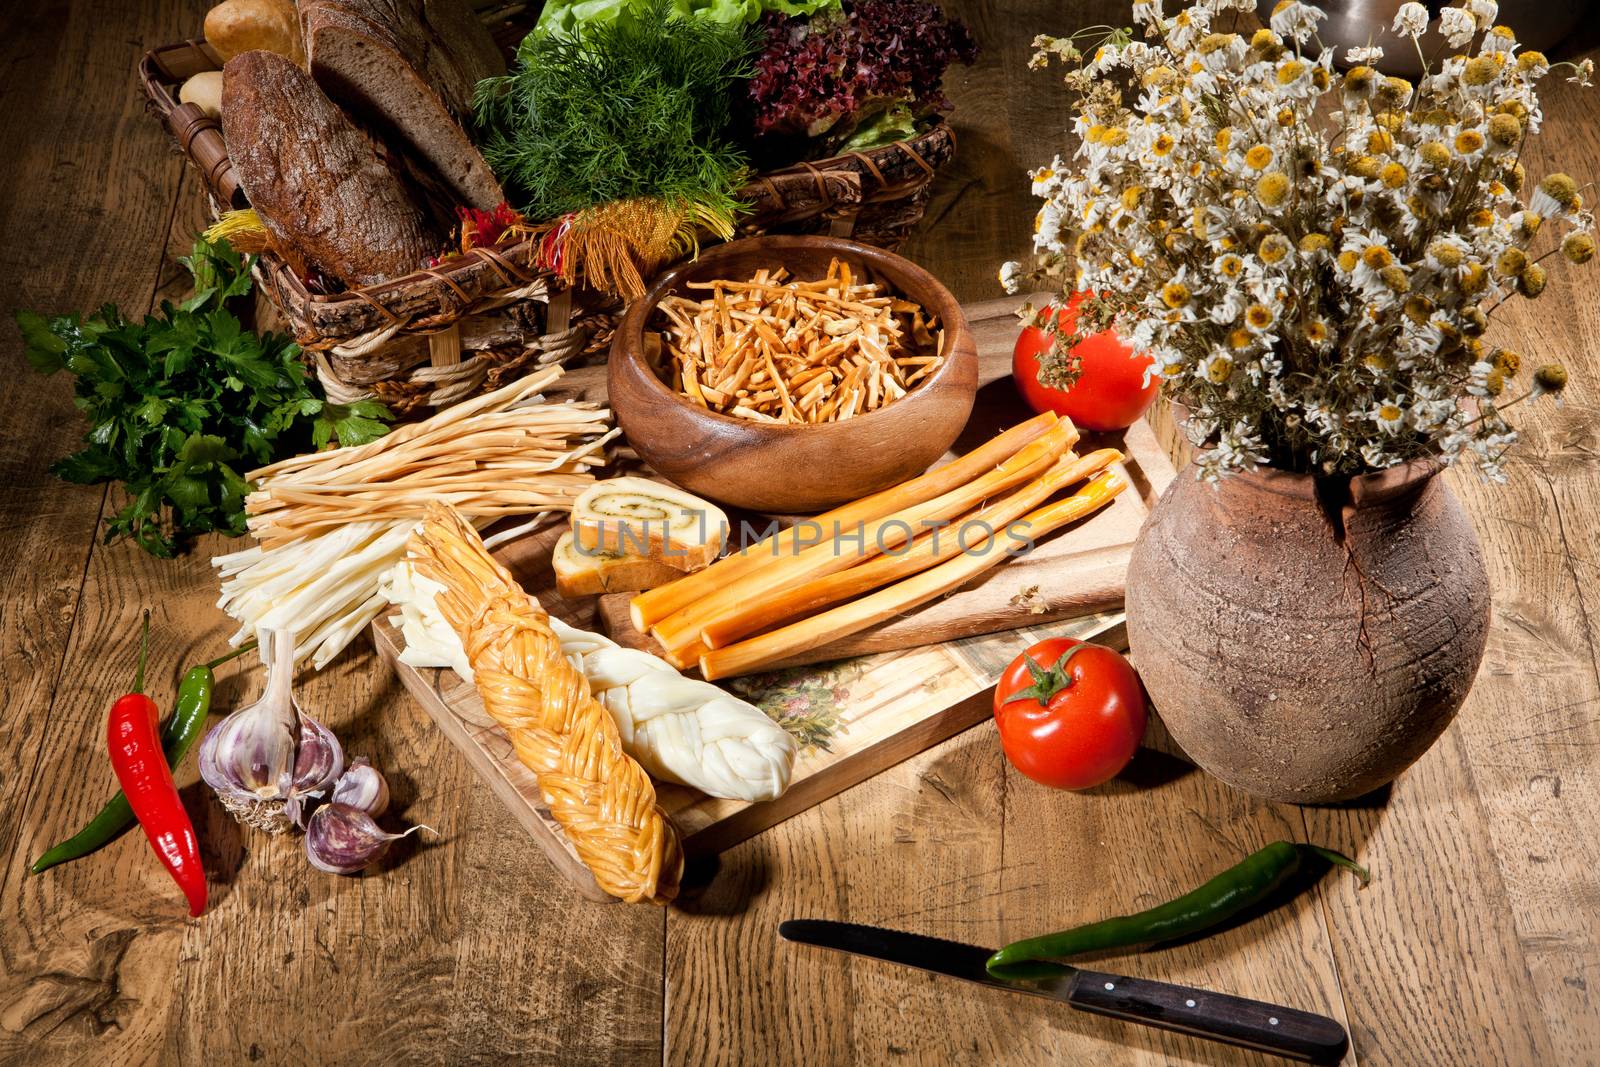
x,y
602,799
680,729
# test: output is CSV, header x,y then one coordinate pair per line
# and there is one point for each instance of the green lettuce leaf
x,y
564,17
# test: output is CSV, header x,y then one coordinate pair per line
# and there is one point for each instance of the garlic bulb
x,y
343,839
361,786
264,761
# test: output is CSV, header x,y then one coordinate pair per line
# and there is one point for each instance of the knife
x,y
1252,1024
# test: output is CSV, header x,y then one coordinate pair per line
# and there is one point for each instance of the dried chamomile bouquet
x,y
1311,256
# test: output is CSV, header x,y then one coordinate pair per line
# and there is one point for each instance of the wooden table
x,y
1478,942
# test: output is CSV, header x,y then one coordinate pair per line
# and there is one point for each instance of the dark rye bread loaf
x,y
323,191
407,69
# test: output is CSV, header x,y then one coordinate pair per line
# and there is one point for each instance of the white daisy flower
x,y
1389,416
1216,368
1226,308
1411,20
1457,26
1295,20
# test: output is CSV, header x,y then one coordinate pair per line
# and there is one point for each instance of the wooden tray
x,y
885,701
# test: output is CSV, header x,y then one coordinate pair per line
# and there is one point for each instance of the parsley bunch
x,y
179,402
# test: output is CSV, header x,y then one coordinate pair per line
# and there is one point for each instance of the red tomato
x,y
1074,719
1109,394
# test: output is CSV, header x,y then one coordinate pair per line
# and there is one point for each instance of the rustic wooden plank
x,y
914,847
1531,746
86,193
1008,120
1477,944
49,523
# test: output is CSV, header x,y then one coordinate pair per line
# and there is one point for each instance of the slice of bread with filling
x,y
638,517
583,573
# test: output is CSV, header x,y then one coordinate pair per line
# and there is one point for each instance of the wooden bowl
x,y
792,469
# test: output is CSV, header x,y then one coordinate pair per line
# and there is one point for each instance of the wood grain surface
x,y
1477,943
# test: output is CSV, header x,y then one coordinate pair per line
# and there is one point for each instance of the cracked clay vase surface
x,y
1303,648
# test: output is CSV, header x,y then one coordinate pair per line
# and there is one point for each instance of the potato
x,y
204,91
236,26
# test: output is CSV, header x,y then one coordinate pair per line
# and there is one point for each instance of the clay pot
x,y
1306,640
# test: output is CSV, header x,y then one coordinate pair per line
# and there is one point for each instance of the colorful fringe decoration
x,y
617,246
242,228
480,228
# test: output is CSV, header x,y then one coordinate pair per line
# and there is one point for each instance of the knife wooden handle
x,y
1251,1024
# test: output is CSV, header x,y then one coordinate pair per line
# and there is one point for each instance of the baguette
x,y
319,184
592,573
638,517
408,68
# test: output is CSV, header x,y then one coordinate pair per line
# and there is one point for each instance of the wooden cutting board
x,y
864,703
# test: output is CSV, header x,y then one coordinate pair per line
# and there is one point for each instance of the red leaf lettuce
x,y
827,77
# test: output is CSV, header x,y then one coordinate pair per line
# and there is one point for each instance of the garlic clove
x,y
362,786
343,839
317,766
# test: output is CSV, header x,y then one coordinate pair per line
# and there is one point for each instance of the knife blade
x,y
1238,1021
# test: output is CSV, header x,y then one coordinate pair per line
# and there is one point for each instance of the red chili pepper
x,y
134,739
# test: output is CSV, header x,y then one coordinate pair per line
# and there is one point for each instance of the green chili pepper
x,y
1229,893
183,727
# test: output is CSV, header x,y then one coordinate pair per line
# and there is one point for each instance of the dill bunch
x,y
620,110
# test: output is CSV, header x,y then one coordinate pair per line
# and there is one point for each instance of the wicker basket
x,y
443,334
